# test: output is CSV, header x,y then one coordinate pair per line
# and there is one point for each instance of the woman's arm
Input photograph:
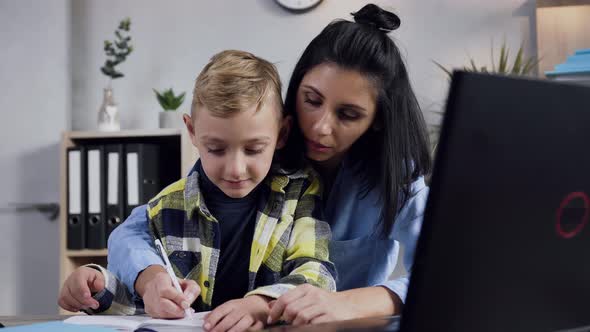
x,y
307,304
406,231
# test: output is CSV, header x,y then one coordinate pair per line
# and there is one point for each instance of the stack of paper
x,y
132,323
576,68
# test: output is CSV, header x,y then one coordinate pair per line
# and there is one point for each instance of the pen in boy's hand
x,y
188,312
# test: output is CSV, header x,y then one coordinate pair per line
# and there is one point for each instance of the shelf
x,y
75,135
177,144
561,3
86,253
561,30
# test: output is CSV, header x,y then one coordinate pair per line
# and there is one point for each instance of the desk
x,y
30,319
384,324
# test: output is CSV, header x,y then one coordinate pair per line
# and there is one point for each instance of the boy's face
x,y
236,152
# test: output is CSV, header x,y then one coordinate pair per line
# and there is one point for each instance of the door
x,y
34,102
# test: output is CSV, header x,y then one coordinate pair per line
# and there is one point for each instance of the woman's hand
x,y
307,304
76,293
238,315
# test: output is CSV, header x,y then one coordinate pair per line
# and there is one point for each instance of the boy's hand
x,y
160,298
238,315
76,292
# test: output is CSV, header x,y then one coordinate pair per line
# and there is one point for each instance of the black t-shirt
x,y
237,218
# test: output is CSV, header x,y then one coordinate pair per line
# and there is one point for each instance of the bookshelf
x,y
562,28
177,139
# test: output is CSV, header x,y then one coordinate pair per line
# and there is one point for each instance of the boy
x,y
233,225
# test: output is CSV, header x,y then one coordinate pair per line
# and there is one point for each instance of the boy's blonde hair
x,y
233,81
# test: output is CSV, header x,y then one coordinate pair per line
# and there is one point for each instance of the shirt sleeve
x,y
406,231
131,249
307,254
115,298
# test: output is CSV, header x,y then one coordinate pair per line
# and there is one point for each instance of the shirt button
x,y
206,283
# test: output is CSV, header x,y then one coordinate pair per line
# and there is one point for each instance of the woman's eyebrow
x,y
347,105
314,90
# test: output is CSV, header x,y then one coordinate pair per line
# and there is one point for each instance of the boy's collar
x,y
277,179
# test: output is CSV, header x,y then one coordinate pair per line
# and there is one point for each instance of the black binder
x,y
115,186
95,189
76,178
143,174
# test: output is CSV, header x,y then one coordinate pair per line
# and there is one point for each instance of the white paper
x,y
94,181
74,180
131,323
132,179
113,179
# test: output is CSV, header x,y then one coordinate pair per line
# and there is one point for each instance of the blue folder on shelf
x,y
576,64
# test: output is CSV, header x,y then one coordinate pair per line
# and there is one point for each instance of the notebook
x,y
133,323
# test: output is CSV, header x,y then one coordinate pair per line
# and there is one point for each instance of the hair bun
x,y
375,16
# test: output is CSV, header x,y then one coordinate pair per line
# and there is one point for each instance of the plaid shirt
x,y
290,244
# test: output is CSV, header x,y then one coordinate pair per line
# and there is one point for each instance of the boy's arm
x,y
307,255
130,249
115,298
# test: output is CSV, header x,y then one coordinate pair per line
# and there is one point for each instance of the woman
x,y
362,129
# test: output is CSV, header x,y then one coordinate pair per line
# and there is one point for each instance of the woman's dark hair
x,y
395,150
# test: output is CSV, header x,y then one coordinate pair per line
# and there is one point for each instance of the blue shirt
x,y
362,257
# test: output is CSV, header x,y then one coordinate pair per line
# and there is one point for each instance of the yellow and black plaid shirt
x,y
290,244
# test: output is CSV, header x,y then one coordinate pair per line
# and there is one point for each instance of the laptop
x,y
505,243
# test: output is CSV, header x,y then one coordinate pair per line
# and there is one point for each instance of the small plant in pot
x,y
116,52
170,117
521,66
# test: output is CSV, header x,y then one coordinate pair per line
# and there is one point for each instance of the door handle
x,y
50,210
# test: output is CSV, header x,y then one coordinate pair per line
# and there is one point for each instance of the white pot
x,y
171,119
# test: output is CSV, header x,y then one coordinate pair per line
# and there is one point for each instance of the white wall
x,y
34,104
174,39
44,41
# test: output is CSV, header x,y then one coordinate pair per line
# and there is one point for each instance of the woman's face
x,y
335,107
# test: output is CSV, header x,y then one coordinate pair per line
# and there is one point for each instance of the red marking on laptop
x,y
571,233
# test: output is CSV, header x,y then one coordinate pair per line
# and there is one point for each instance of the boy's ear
x,y
188,122
286,124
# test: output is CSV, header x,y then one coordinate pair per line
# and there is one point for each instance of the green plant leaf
x,y
503,59
492,55
529,65
517,66
473,66
447,71
168,100
115,57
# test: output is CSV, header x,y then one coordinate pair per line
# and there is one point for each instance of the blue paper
x,y
579,63
57,326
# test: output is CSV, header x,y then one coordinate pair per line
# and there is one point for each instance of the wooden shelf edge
x,y
73,135
561,3
87,253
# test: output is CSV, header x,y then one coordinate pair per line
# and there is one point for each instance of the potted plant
x,y
116,52
521,66
169,117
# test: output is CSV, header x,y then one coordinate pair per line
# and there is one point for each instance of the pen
x,y
168,267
